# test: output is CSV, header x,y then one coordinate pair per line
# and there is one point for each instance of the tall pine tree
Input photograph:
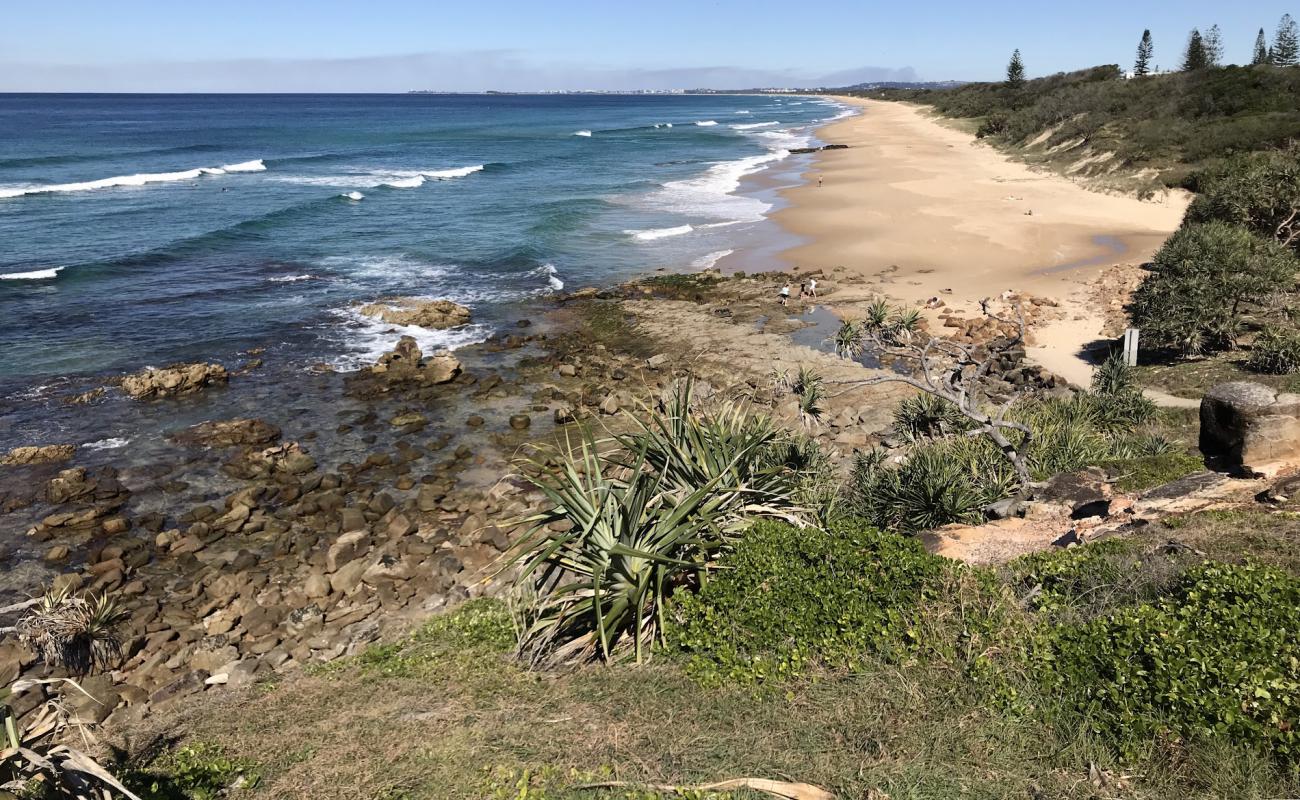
x,y
1015,71
1145,48
1286,43
1196,57
1261,49
1213,42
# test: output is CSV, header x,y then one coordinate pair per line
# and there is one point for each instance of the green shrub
x,y
1275,352
936,483
1258,191
1217,658
928,416
1204,281
791,599
1081,583
1173,122
197,771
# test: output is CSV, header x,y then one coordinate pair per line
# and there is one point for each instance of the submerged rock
x,y
38,454
173,380
414,311
228,433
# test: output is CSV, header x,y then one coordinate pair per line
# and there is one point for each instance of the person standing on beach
x,y
819,181
812,288
785,294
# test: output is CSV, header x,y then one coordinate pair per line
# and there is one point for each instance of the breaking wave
x,y
651,234
140,179
34,275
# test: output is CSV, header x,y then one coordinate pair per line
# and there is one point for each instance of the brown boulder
x,y
414,311
1251,426
407,363
173,380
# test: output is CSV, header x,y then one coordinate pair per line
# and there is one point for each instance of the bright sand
x,y
953,213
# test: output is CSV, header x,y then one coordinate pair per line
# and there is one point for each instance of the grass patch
x,y
1148,472
446,713
196,771
1195,378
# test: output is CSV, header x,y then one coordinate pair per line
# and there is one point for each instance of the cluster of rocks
x,y
171,381
975,330
89,501
299,566
802,150
1112,291
436,314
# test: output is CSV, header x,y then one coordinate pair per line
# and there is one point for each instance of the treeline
x,y
1174,123
1166,125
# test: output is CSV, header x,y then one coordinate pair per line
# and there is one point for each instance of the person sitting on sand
x,y
785,294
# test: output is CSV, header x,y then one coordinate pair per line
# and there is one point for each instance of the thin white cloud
x,y
462,71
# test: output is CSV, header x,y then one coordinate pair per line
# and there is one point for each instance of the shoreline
x,y
916,210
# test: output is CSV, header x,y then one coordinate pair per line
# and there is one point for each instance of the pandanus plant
x,y
623,529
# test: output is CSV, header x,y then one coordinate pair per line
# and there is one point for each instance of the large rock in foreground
x,y
173,380
414,311
1250,425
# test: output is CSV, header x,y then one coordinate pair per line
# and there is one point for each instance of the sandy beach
x,y
921,210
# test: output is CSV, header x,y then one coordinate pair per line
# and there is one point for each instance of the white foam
x,y
292,278
582,133
552,276
742,112
255,165
367,338
651,234
751,125
412,182
707,261
356,197
395,179
130,180
457,172
34,275
107,444
711,195
707,123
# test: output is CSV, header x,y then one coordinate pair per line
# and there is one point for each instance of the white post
x,y
1131,346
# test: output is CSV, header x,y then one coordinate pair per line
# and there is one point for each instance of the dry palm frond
x,y
73,632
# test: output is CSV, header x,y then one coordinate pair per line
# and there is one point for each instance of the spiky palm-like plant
x,y
622,530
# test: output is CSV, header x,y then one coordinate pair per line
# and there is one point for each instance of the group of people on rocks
x,y
807,290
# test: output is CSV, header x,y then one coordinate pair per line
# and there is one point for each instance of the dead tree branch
x,y
953,371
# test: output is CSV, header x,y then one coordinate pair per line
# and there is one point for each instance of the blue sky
x,y
395,45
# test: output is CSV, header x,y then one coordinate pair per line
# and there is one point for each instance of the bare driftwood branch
x,y
953,371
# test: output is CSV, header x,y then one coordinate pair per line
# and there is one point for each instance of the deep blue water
x,y
150,229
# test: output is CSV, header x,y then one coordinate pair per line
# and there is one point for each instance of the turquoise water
x,y
143,230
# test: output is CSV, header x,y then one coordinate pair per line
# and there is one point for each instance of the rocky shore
x,y
306,554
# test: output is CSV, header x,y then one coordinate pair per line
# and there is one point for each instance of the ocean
x,y
145,230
